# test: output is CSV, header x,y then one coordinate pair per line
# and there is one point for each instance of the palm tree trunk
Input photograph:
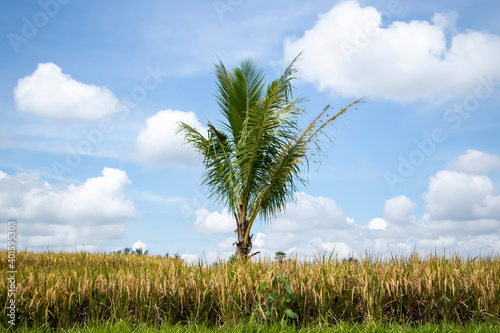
x,y
242,249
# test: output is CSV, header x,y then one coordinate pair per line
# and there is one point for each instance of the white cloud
x,y
446,20
475,162
489,207
69,237
160,144
214,222
377,224
260,240
310,212
453,195
399,210
51,93
462,212
340,248
139,245
189,257
348,51
441,242
67,216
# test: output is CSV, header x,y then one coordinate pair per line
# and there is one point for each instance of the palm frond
x,y
237,91
268,126
283,178
217,152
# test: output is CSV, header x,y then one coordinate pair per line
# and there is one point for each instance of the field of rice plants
x,y
64,289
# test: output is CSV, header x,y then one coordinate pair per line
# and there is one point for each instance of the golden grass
x,y
60,289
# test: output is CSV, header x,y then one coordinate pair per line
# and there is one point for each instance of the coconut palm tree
x,y
253,161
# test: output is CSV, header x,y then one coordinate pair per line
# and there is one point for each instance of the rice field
x,y
60,290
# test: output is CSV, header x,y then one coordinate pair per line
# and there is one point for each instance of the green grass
x,y
126,327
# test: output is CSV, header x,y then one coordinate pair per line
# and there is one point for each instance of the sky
x,y
91,94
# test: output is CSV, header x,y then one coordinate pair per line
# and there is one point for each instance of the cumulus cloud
x,y
260,239
139,245
453,195
377,224
50,93
462,213
399,210
67,216
189,257
214,222
308,212
350,52
69,237
159,143
475,162
489,207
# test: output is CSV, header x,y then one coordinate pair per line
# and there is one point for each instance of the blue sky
x,y
91,93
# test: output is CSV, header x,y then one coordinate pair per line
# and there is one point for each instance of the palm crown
x,y
253,163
